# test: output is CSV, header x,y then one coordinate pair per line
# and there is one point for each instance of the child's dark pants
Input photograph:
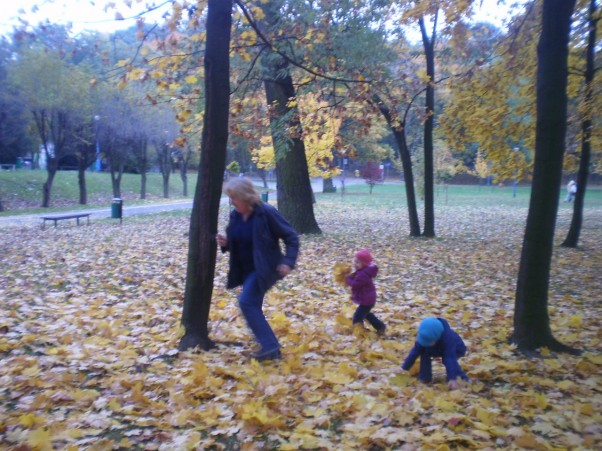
x,y
363,312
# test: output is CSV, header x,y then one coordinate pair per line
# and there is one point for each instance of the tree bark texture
x,y
328,185
295,196
531,320
429,196
143,180
202,247
572,238
81,181
294,193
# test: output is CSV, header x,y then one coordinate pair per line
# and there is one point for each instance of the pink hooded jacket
x,y
363,291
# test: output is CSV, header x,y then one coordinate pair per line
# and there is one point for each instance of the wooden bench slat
x,y
58,218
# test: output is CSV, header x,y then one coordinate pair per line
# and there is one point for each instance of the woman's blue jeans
x,y
250,302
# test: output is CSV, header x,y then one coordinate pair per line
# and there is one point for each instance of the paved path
x,y
97,213
103,213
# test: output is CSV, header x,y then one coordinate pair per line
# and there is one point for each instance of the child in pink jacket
x,y
363,291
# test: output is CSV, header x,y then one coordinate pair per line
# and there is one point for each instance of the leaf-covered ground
x,y
90,324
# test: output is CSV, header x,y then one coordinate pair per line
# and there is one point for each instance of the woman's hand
x,y
284,270
222,241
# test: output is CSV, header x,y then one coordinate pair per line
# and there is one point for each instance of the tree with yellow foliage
x,y
494,105
320,135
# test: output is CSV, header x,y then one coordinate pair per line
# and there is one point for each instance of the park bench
x,y
56,219
8,167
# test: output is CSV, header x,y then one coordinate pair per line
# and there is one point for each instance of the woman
x,y
256,261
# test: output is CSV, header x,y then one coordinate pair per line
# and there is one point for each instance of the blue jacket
x,y
269,227
449,347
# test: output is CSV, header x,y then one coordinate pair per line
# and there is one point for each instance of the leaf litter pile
x,y
90,327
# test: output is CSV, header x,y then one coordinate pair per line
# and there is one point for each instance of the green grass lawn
x,y
21,191
394,194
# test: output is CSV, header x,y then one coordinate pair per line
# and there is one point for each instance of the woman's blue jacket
x,y
269,227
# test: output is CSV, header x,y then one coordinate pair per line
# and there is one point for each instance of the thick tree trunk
x,y
572,238
531,320
294,192
429,197
81,181
295,196
328,185
202,246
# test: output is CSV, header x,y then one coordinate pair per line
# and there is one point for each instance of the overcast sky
x,y
91,14
83,14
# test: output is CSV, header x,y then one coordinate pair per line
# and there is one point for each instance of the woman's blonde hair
x,y
242,188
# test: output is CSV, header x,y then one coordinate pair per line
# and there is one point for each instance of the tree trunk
x,y
263,175
51,168
429,198
166,185
531,320
295,196
328,185
294,192
184,177
143,178
202,246
81,180
406,162
408,176
572,238
165,164
116,174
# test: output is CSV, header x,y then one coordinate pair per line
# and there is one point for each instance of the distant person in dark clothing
x,y
253,238
436,339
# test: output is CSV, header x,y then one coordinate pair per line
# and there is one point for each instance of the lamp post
x,y
98,165
516,149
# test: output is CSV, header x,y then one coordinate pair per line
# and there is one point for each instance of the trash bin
x,y
264,197
117,208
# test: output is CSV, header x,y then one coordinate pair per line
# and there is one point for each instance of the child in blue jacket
x,y
435,338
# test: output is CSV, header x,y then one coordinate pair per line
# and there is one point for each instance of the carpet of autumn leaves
x,y
90,326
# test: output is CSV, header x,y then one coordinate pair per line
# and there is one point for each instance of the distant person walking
x,y
253,238
571,190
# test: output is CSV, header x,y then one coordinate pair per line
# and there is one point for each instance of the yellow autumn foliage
x,y
320,137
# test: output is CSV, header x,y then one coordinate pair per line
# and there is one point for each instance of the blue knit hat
x,y
429,331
